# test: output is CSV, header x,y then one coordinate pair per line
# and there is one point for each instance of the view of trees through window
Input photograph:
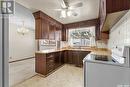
x,y
82,36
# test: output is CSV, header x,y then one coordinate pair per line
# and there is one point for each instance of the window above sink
x,y
82,37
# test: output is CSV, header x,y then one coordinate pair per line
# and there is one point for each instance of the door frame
x,y
1,66
4,51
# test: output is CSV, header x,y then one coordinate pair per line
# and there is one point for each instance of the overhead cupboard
x,y
47,27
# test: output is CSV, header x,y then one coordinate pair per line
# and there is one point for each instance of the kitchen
x,y
70,44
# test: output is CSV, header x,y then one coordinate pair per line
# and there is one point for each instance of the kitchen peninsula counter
x,y
48,61
97,51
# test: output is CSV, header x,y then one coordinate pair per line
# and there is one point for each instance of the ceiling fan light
x,y
63,14
69,13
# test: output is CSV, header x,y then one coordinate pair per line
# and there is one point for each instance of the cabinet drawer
x,y
50,67
50,60
50,55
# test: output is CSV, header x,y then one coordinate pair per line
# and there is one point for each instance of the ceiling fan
x,y
67,9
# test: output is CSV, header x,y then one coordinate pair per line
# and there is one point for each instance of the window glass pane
x,y
82,36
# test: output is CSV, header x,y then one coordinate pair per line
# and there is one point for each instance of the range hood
x,y
112,19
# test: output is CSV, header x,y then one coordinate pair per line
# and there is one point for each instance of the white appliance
x,y
108,71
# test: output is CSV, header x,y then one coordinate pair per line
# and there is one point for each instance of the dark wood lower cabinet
x,y
48,62
40,64
70,57
58,61
75,57
82,55
65,56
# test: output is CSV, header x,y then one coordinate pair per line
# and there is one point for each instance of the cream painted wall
x,y
20,46
21,71
120,33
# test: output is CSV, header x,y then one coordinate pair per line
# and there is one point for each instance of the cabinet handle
x,y
50,56
51,60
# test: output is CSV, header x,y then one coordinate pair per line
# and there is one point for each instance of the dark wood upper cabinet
x,y
117,5
38,32
45,29
46,26
64,34
111,11
42,29
58,33
51,32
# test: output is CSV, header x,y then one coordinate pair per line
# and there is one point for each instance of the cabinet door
x,y
75,57
65,56
51,32
40,66
81,57
70,57
42,29
62,57
45,29
38,30
57,59
58,34
117,5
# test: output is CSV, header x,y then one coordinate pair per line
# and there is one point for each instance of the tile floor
x,y
66,76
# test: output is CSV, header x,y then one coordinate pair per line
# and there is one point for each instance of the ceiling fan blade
x,y
63,4
80,4
58,9
74,14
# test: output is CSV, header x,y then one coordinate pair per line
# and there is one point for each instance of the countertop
x,y
89,59
92,50
95,51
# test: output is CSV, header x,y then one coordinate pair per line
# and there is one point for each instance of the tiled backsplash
x,y
120,33
64,44
101,44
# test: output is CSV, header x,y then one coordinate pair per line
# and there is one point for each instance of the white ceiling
x,y
90,9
